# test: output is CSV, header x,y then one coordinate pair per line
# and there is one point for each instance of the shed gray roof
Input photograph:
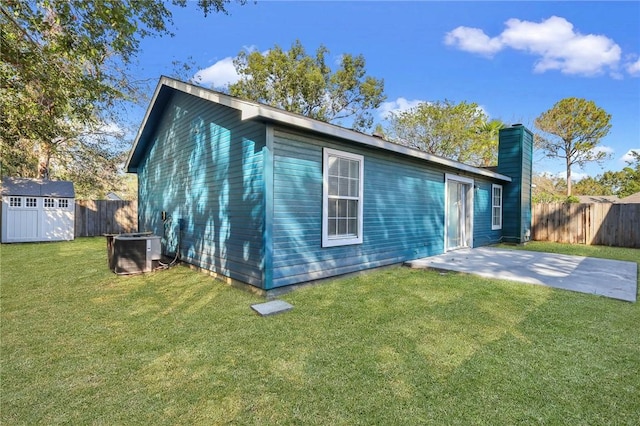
x,y
598,199
633,198
37,187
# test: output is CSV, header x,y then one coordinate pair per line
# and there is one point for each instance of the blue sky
x,y
515,59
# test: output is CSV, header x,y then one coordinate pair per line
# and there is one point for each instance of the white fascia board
x,y
373,141
144,123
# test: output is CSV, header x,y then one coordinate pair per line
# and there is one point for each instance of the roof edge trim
x,y
251,110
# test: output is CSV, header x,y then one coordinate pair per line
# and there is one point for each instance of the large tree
x,y
306,84
592,186
63,72
547,189
459,131
626,181
572,130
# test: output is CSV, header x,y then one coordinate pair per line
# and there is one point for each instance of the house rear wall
x,y
403,210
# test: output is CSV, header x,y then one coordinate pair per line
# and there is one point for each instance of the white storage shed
x,y
37,210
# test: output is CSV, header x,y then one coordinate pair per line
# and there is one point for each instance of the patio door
x,y
458,231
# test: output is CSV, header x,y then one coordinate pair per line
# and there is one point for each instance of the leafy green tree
x,y
462,132
63,74
626,181
572,129
305,84
592,186
621,183
547,189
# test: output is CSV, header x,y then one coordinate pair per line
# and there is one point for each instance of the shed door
x,y
56,220
21,219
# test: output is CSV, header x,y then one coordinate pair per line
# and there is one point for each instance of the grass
x,y
605,252
81,345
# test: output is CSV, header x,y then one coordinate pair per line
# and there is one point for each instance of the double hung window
x,y
496,206
342,198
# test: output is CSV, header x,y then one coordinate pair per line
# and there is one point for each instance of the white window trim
x,y
26,199
340,241
493,226
44,203
12,200
470,205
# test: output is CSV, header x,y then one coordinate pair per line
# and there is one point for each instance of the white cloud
x,y
554,41
633,68
575,176
627,157
220,74
111,128
601,148
399,105
473,40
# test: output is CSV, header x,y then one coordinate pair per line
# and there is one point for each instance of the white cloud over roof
x,y
219,75
554,41
399,105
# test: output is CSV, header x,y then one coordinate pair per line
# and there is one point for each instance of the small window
x,y
49,202
15,201
63,203
342,198
496,206
31,202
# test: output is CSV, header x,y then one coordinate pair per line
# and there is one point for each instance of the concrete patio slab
x,y
271,308
610,278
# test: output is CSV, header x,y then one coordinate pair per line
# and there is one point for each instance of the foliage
x,y
572,199
81,345
304,84
547,189
62,77
572,129
591,186
626,181
461,132
621,183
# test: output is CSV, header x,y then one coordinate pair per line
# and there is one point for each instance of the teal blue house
x,y
271,199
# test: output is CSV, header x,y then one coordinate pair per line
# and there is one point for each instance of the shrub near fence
x,y
98,217
594,224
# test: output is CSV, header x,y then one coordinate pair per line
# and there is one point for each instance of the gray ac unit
x,y
135,253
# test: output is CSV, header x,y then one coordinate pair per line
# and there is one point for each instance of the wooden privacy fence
x,y
97,217
595,224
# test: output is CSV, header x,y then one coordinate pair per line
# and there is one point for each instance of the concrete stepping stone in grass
x,y
272,307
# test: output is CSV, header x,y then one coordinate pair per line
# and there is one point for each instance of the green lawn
x,y
81,345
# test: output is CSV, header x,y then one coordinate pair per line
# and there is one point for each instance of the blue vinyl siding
x,y
510,163
244,198
403,211
482,233
205,169
526,181
515,160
